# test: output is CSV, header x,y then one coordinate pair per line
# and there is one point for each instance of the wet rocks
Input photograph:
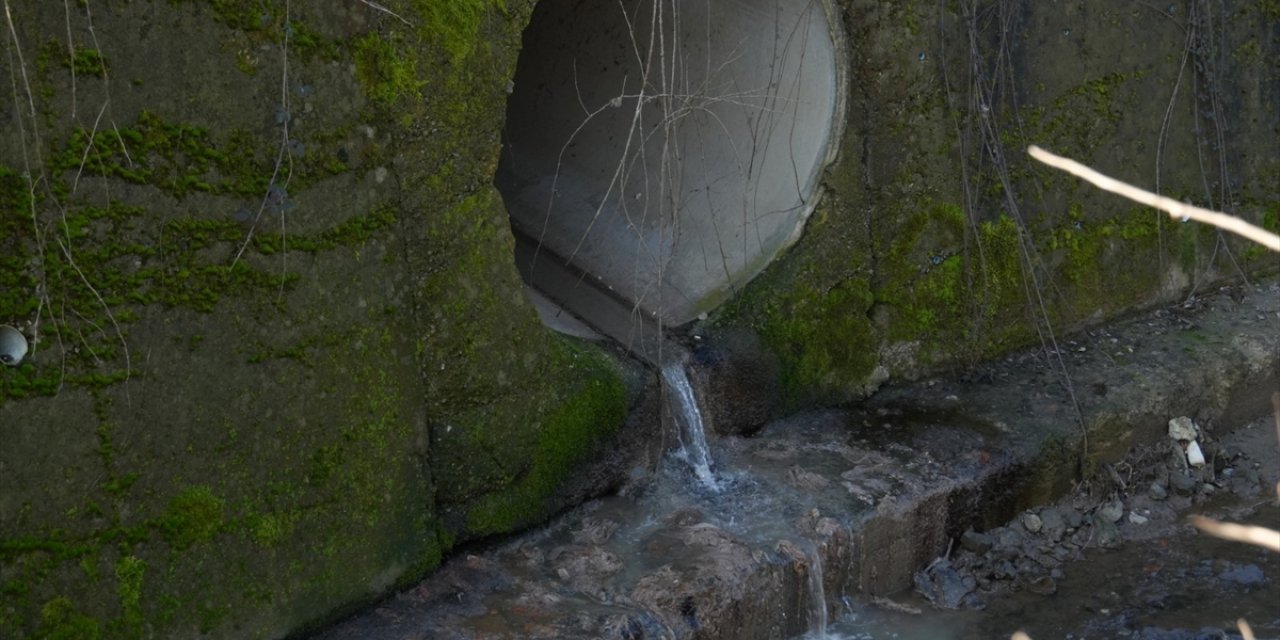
x,y
1182,483
1053,523
1157,491
1111,511
1248,575
975,542
1032,522
943,586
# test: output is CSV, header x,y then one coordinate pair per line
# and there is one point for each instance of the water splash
x,y
693,440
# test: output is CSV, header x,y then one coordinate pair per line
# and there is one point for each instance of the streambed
x,y
831,515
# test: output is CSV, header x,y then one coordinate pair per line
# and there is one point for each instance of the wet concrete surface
x,y
876,494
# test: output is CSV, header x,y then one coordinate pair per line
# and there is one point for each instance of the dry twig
x,y
1169,205
1259,536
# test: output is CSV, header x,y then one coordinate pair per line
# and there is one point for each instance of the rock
x,y
1157,491
1053,524
1207,489
1071,516
595,530
1031,522
1182,483
1246,575
1183,429
1007,537
1137,519
1112,511
975,542
1106,534
943,586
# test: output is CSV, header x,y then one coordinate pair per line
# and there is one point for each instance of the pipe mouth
x,y
663,152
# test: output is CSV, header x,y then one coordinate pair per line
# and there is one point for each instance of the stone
x,y
1106,534
1137,519
1072,517
943,586
1157,491
1112,511
1031,522
1053,524
975,542
1183,428
1248,575
1182,483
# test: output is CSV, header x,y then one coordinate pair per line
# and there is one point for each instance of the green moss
x,y
271,529
823,340
454,24
352,232
130,571
59,620
564,438
193,516
386,69
178,158
89,62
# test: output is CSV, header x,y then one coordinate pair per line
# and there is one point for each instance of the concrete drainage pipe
x,y
658,154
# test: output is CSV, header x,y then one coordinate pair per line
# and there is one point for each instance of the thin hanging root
x,y
1174,208
377,7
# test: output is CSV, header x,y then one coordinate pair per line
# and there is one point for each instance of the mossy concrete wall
x,y
282,360
284,363
940,242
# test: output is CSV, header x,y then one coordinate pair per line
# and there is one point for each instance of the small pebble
x,y
1137,519
1032,522
1157,491
1112,511
1182,483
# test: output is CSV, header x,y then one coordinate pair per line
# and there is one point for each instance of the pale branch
x,y
1176,209
1258,536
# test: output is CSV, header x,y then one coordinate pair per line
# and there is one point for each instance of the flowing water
x,y
693,439
817,596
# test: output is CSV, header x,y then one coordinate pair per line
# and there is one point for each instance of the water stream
x,y
693,439
817,596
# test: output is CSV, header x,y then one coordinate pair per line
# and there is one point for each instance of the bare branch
x,y
1174,208
1246,631
1259,536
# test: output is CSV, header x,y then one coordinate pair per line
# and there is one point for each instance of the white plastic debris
x,y
1183,429
1195,457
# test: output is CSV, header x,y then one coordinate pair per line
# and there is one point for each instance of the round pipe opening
x,y
658,154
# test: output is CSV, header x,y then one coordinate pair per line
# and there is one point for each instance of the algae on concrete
x,y
265,271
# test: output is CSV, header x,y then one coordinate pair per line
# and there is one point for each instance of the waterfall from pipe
x,y
693,440
817,596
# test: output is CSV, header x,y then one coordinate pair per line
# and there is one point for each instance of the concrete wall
x,y
284,361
